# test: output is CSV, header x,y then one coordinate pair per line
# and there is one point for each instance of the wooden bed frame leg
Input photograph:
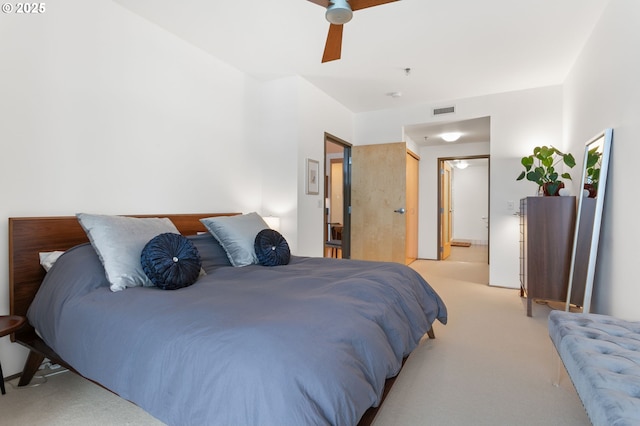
x,y
31,365
431,334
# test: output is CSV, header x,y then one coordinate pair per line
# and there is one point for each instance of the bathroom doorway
x,y
337,197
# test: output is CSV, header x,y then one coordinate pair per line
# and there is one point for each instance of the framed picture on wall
x,y
313,177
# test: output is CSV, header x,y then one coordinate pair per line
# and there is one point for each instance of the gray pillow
x,y
119,241
237,234
211,252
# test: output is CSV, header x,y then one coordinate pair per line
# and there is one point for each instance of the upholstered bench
x,y
602,356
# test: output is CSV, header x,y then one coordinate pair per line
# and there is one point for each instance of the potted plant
x,y
540,167
593,171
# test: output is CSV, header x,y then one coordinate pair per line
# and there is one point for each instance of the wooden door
x,y
412,207
446,228
378,189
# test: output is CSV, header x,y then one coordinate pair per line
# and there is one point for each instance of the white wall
x,y
603,91
293,119
319,113
519,121
102,111
274,135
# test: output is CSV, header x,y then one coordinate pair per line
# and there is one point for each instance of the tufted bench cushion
x,y
602,356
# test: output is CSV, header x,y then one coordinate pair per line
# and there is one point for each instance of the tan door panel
x,y
378,189
413,163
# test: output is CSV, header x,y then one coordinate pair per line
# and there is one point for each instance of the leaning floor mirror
x,y
588,220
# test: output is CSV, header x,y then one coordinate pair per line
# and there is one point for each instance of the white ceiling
x,y
454,48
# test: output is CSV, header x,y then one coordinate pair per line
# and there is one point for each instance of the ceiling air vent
x,y
445,110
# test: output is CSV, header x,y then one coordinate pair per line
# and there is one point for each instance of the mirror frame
x,y
605,138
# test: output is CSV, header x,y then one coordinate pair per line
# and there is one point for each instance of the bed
x,y
315,341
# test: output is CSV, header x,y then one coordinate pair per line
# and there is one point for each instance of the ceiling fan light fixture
x,y
339,12
451,137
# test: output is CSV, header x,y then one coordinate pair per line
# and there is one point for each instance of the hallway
x,y
474,253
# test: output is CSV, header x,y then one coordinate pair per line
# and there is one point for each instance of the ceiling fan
x,y
339,12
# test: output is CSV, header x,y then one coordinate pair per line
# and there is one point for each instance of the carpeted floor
x,y
67,399
491,365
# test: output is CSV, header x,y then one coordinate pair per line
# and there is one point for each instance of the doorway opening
x,y
337,197
463,208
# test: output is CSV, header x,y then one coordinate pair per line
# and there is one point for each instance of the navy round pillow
x,y
171,261
271,248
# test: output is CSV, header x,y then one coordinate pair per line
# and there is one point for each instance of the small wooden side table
x,y
9,324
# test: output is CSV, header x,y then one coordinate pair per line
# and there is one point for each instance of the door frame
x,y
441,161
444,210
346,192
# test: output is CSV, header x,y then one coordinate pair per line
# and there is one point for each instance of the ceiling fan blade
x,y
363,4
323,3
333,47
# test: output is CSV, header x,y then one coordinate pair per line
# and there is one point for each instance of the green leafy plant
x,y
593,166
593,171
540,167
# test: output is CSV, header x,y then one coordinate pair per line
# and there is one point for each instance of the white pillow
x,y
48,258
237,235
119,241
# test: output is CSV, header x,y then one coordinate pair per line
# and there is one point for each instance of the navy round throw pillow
x,y
271,248
171,261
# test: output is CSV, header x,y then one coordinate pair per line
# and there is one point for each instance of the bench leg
x,y
557,367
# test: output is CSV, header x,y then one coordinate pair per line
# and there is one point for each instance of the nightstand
x,y
9,324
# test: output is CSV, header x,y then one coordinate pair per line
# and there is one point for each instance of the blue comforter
x,y
309,343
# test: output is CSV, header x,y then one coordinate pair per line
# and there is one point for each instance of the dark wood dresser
x,y
546,241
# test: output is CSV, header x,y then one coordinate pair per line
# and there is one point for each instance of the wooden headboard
x,y
30,235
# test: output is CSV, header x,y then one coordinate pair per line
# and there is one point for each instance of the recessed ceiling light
x,y
394,94
461,164
451,137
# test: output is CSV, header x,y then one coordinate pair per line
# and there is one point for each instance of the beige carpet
x,y
67,399
491,365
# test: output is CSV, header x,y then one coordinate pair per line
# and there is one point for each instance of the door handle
x,y
400,210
